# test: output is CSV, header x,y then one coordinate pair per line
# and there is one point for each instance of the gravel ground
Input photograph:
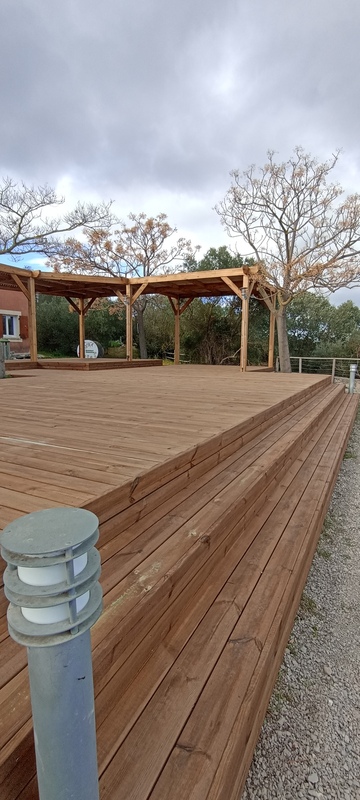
x,y
310,742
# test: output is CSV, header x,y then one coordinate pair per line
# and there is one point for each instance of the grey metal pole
x,y
353,368
51,582
333,370
2,360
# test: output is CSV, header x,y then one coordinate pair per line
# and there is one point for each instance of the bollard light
x,y
353,368
51,581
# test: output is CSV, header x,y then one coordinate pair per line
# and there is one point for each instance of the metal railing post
x,y
333,369
353,368
51,581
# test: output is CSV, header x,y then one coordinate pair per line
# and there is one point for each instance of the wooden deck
x,y
70,440
211,487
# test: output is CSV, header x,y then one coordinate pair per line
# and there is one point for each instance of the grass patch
x,y
281,694
349,454
323,553
291,647
307,607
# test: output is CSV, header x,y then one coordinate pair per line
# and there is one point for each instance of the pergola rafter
x,y
181,289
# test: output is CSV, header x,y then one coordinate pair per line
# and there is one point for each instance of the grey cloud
x,y
171,96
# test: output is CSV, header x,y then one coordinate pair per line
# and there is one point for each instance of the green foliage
x,y
316,328
159,327
217,258
105,327
58,328
308,323
307,607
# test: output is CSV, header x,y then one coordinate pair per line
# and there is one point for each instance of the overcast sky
x,y
152,103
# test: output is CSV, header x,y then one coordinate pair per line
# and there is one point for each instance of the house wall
x,y
14,302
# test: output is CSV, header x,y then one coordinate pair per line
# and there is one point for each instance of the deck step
x,y
168,558
141,583
210,683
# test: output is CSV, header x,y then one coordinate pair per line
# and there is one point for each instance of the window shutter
x,y
24,327
1,326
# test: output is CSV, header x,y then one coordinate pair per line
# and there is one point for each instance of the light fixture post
x,y
353,368
51,580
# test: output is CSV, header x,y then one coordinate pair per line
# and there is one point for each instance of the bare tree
x,y
300,230
137,249
24,226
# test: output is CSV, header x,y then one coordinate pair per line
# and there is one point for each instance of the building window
x,y
11,326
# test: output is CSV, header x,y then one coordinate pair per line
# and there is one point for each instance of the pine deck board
x,y
94,420
159,480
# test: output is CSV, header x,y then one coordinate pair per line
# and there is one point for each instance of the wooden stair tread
x,y
137,644
129,785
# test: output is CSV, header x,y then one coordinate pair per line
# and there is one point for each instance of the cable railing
x,y
336,367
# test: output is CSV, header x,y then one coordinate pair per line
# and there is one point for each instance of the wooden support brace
x,y
121,296
73,304
138,292
89,304
233,286
185,305
270,300
21,286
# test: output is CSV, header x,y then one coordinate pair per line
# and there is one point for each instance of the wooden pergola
x,y
81,291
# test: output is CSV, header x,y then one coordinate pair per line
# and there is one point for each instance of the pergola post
x,y
271,340
177,331
32,320
129,323
81,328
178,309
244,323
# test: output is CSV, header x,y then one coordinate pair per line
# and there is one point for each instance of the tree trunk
x,y
141,332
283,342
